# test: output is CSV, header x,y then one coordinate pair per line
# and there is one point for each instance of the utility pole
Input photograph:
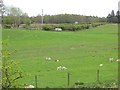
x,y
42,17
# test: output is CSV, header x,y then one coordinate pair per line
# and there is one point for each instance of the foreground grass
x,y
81,52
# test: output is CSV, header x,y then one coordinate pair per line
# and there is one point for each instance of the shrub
x,y
69,27
48,27
7,26
11,72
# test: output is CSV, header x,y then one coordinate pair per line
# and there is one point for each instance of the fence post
x,y
98,76
68,79
36,81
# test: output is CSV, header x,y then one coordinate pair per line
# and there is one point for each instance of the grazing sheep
x,y
64,68
58,29
101,65
57,60
61,68
48,58
111,59
29,86
118,60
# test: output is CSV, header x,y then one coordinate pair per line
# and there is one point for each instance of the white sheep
x,y
118,60
101,65
111,59
64,68
48,58
29,86
58,29
57,60
61,68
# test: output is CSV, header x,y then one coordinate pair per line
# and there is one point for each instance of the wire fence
x,y
67,81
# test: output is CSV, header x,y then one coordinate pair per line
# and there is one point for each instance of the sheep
x,y
48,58
118,60
111,59
57,60
58,29
101,65
64,68
61,68
29,86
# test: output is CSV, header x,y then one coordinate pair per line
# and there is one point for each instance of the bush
x,y
48,27
69,27
7,26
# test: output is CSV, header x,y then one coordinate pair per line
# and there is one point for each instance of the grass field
x,y
81,52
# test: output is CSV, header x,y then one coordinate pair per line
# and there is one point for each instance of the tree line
x,y
67,18
15,17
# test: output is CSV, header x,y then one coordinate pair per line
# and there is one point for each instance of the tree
x,y
15,13
28,22
109,18
2,10
15,17
11,72
112,18
112,13
118,13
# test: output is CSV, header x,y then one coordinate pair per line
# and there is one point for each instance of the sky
x,y
99,8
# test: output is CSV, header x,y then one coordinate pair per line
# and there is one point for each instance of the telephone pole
x,y
42,17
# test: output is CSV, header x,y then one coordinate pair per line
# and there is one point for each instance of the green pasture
x,y
81,52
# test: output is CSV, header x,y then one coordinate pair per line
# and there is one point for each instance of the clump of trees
x,y
113,18
14,17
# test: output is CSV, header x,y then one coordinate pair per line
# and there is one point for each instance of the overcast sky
x,y
99,8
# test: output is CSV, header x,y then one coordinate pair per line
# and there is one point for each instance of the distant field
x,y
81,52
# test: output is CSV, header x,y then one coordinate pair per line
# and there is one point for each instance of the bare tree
x,y
15,13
